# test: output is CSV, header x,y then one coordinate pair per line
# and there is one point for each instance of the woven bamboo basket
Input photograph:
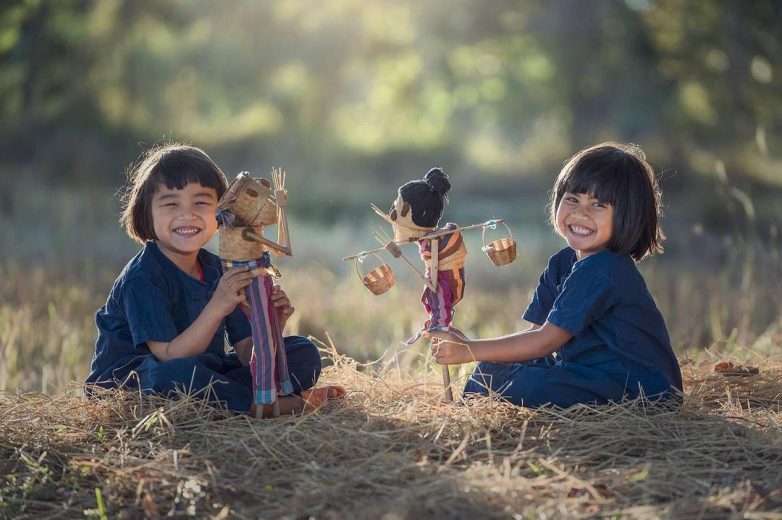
x,y
236,245
501,251
251,201
378,280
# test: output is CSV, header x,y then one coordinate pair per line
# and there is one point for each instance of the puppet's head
x,y
248,202
246,207
419,205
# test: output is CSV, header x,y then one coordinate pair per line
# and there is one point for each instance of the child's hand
x,y
230,290
450,347
282,305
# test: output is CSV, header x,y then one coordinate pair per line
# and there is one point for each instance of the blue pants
x,y
544,382
231,382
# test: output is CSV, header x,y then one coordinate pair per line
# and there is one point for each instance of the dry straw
x,y
392,448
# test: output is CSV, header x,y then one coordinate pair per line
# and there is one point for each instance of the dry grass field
x,y
393,450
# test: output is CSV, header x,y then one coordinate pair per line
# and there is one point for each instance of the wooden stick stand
x,y
447,392
275,409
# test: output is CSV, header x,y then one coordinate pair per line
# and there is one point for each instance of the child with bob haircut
x,y
164,324
597,335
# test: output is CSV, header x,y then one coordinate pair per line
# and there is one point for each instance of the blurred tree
x,y
504,88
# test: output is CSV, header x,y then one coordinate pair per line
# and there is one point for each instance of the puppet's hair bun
x,y
426,197
437,180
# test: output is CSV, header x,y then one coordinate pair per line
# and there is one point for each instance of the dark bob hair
x,y
174,165
617,174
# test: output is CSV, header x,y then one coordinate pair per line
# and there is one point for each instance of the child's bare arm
x,y
196,338
450,349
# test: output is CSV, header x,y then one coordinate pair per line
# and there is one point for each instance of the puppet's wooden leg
x,y
260,409
447,393
275,341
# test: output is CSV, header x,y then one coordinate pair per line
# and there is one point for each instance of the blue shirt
x,y
602,300
154,300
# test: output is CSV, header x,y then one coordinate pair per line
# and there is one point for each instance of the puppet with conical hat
x,y
244,210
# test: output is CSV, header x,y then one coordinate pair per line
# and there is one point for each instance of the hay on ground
x,y
393,448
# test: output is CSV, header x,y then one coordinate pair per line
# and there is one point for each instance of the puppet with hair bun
x,y
415,212
414,217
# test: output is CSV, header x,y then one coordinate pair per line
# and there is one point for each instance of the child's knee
x,y
180,365
190,371
302,352
304,362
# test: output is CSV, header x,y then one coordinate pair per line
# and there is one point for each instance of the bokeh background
x,y
354,98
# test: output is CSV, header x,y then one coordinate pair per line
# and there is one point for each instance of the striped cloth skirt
x,y
268,365
440,305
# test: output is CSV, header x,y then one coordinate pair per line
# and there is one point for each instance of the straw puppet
x,y
415,213
246,208
414,217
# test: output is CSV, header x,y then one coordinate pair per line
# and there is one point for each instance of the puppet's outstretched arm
x,y
248,233
283,244
281,196
382,214
396,251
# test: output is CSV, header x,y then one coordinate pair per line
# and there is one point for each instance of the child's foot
x,y
310,400
314,398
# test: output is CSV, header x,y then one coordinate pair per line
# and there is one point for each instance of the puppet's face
x,y
250,202
401,216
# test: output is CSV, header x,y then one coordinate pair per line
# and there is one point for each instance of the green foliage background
x,y
352,90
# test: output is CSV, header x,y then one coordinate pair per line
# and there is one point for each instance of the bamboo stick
x,y
433,234
382,238
410,264
434,270
283,234
447,392
269,243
